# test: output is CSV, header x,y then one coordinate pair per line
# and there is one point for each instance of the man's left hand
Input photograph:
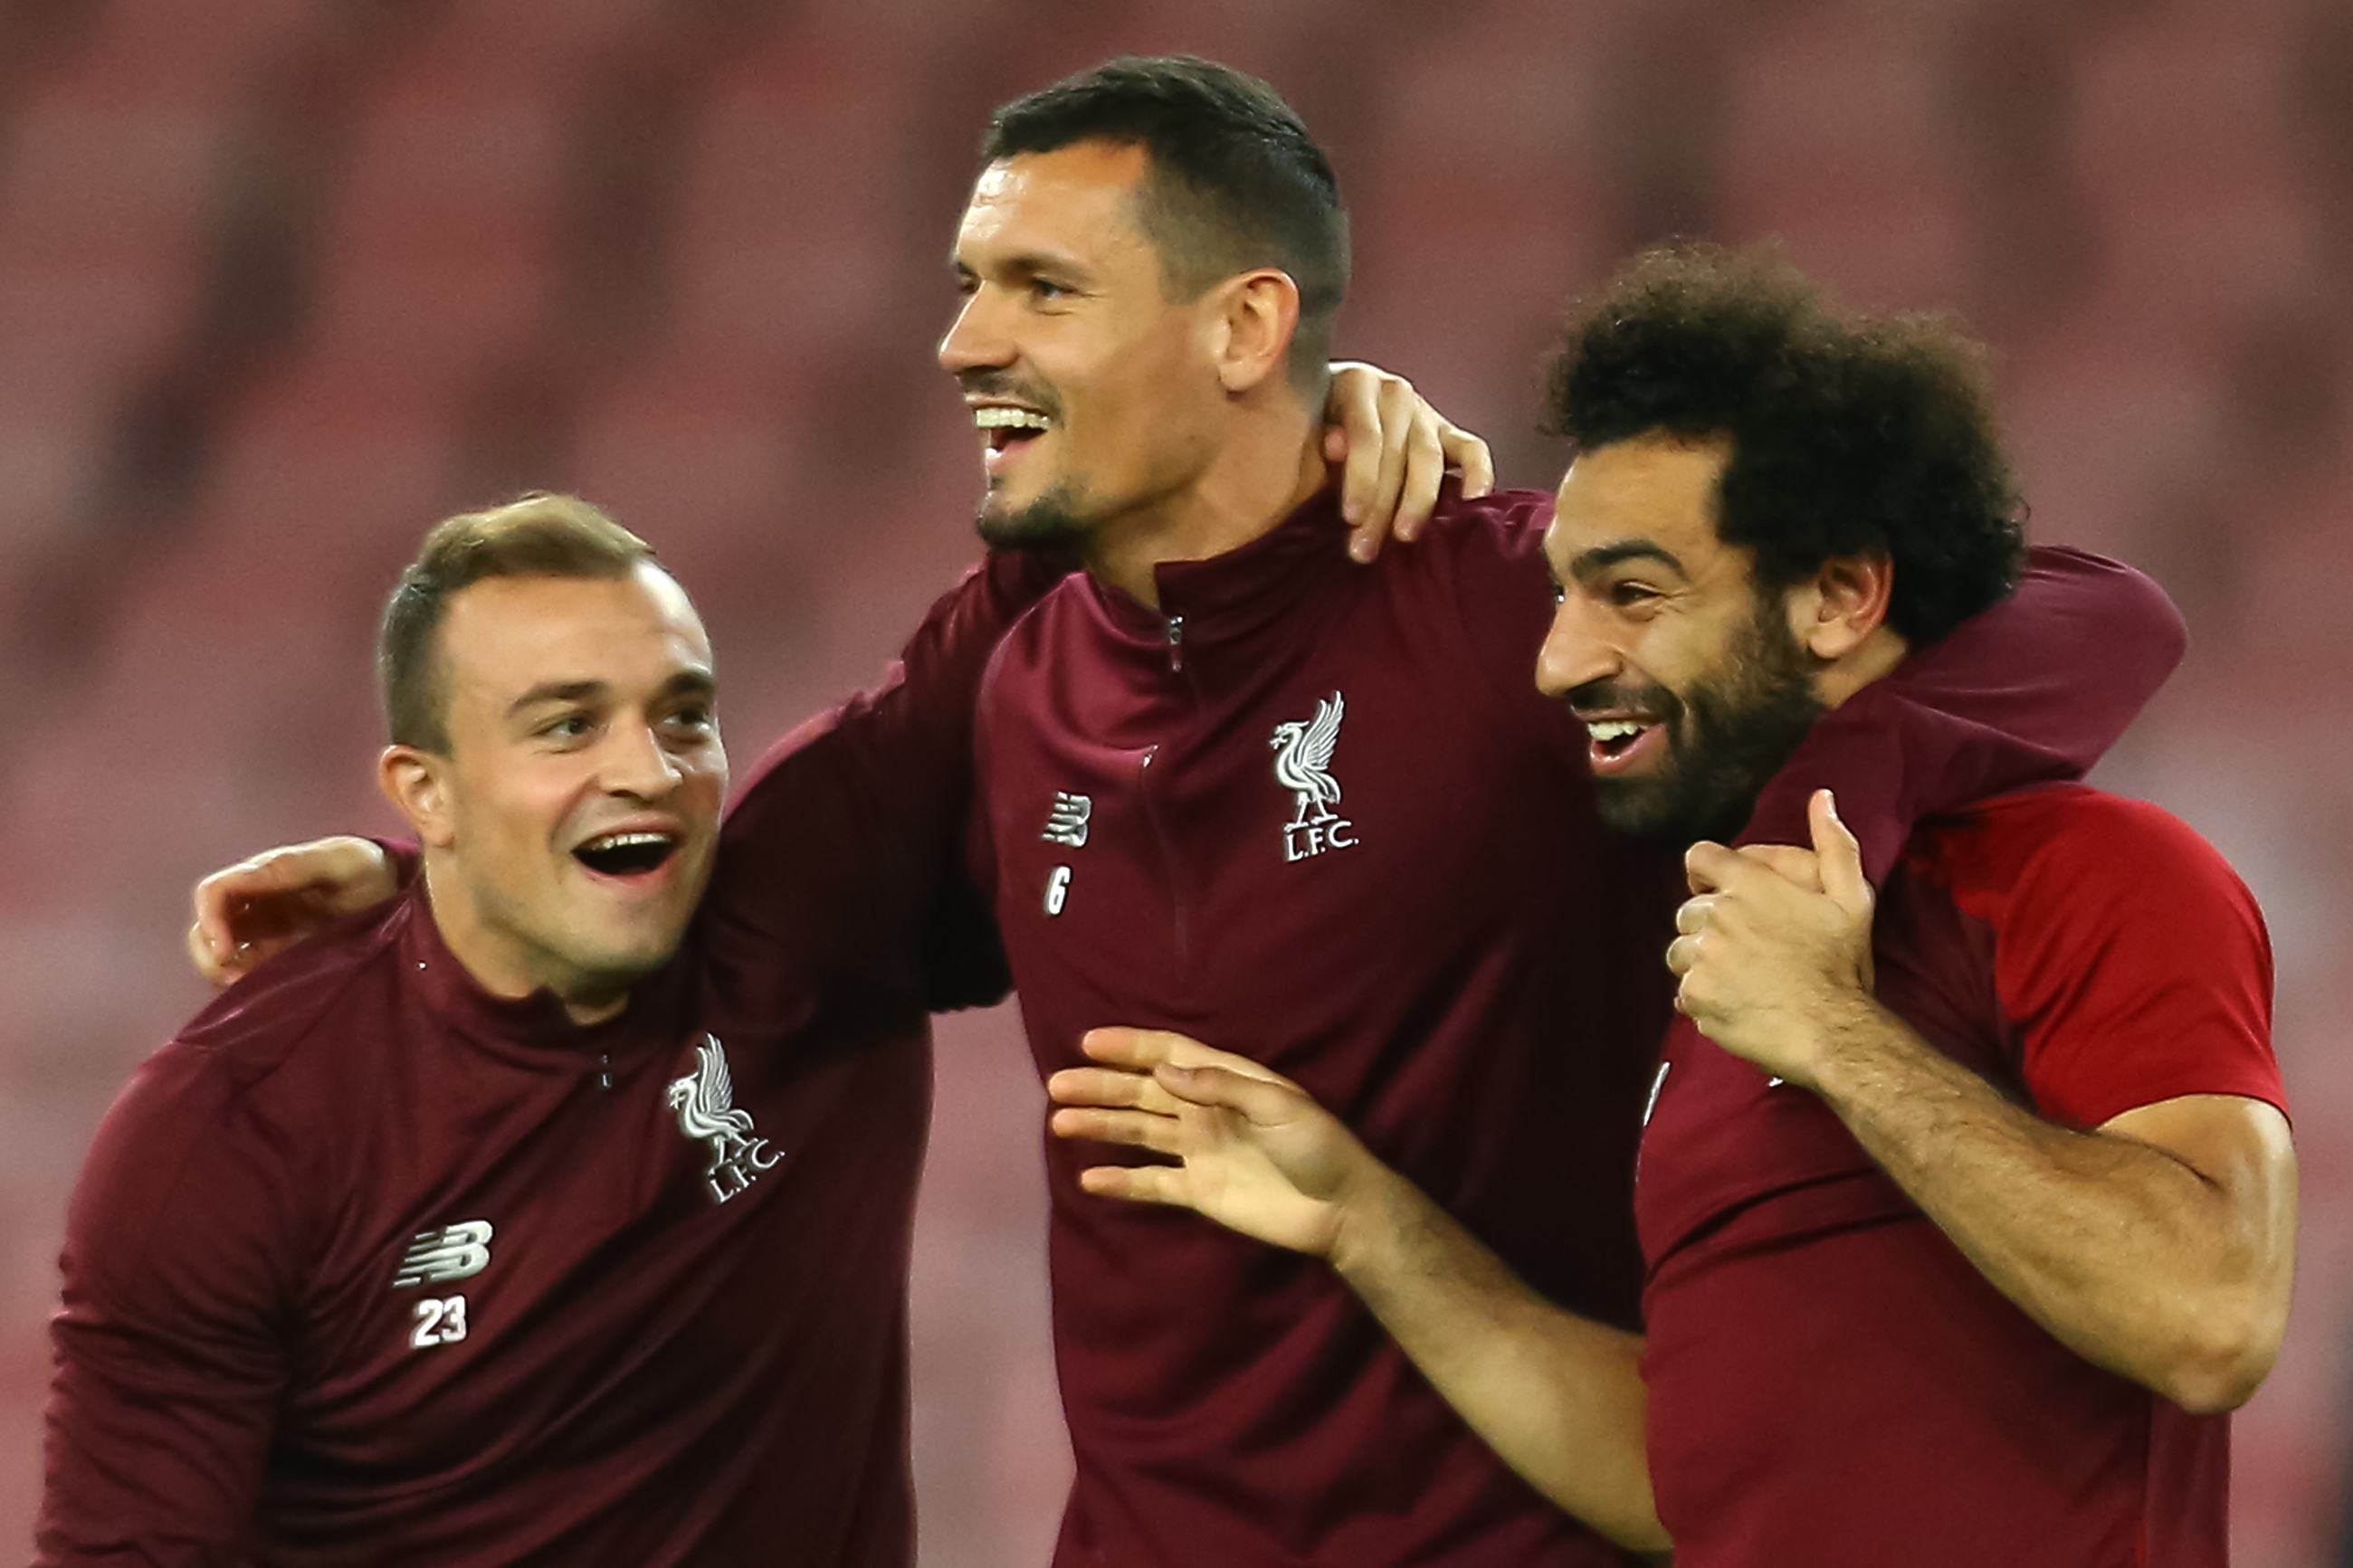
x,y
1773,949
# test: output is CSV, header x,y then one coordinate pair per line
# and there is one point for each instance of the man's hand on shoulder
x,y
259,908
1393,449
1773,949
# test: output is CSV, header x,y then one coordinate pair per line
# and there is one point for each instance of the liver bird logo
x,y
705,1102
1303,761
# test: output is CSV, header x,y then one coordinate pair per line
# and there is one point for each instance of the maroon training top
x,y
1318,814
1831,1382
368,1266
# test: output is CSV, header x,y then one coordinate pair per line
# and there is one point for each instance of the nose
x,y
975,338
636,763
1574,652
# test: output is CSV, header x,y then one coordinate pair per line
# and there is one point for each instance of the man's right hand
x,y
259,908
1259,1156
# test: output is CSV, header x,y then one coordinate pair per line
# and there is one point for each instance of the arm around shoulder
x,y
2033,690
846,847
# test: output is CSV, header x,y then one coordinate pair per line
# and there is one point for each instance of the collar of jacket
x,y
1234,596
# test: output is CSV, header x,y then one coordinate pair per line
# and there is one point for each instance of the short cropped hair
x,y
537,535
1236,182
1850,434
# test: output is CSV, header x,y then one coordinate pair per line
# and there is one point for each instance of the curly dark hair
x,y
1850,434
1236,182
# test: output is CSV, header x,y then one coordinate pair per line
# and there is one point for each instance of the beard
x,y
1051,525
1727,737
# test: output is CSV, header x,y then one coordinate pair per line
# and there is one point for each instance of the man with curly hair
x,y
1972,1214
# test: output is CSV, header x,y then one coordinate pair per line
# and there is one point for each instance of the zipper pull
x,y
1176,644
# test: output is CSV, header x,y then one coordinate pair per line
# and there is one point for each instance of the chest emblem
x,y
1067,824
1302,765
457,1251
705,1102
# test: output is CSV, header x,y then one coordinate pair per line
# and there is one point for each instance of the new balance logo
x,y
435,1256
1067,824
1302,765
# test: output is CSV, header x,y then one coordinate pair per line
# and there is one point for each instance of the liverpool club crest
x,y
1302,765
705,1102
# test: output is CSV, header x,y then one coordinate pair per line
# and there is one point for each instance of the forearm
x,y
1557,1396
2126,1253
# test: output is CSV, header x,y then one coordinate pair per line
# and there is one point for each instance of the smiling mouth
x,y
1009,429
626,854
1615,737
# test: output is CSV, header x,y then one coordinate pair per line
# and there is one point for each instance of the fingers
x,y
1467,452
1791,864
1110,1087
1393,449
217,968
1352,412
1262,1098
1141,1050
241,959
1138,1050
1840,855
1400,411
1683,953
1710,868
1139,1183
1425,470
1128,1129
1374,474
1706,865
223,897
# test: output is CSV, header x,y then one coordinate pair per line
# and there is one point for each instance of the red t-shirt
x,y
1831,1383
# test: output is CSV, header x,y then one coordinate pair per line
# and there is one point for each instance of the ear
x,y
418,785
1258,313
1845,603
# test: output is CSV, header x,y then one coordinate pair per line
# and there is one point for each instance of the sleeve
x,y
1489,555
2033,690
2135,965
843,857
170,1342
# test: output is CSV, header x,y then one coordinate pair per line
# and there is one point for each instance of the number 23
x,y
438,1322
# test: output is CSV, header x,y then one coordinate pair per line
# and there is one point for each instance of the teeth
x,y
1008,419
626,841
1613,728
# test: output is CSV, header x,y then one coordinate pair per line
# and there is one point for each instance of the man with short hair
x,y
1977,1212
535,1215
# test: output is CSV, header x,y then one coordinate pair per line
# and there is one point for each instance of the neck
x,y
1875,656
1263,471
499,963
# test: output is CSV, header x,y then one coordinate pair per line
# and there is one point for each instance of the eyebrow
x,y
686,682
1601,557
1025,264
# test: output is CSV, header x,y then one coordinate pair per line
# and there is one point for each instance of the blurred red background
x,y
281,281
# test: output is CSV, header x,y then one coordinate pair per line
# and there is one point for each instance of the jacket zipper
x,y
1179,934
